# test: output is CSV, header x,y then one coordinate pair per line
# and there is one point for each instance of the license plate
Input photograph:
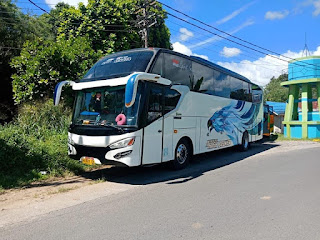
x,y
88,160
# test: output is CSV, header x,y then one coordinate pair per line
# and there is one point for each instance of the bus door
x,y
153,132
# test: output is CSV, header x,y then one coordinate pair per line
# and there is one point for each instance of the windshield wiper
x,y
113,126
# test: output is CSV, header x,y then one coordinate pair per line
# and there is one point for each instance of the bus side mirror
x,y
58,89
132,85
131,90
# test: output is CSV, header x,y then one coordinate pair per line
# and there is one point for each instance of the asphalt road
x,y
259,194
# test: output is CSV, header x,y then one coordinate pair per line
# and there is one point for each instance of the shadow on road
x,y
161,173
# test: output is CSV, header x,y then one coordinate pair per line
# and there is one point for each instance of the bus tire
x,y
182,155
244,146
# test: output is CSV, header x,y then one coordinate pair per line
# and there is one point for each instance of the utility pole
x,y
306,49
146,19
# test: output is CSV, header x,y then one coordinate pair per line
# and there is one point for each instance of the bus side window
x,y
177,69
256,94
222,84
158,65
171,99
202,78
247,88
236,89
155,103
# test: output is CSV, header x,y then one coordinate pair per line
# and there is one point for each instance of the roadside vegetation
x,y
34,145
41,50
281,137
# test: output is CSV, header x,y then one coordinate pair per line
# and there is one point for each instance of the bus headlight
x,y
122,143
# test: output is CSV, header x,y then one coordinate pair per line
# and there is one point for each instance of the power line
x,y
93,24
228,34
217,44
13,48
103,30
242,63
230,40
51,4
40,7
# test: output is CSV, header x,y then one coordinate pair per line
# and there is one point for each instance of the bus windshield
x,y
119,64
105,107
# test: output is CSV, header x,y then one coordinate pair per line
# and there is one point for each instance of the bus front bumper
x,y
98,148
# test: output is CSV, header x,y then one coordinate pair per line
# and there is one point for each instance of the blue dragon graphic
x,y
237,117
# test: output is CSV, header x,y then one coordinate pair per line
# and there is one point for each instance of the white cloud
x,y
217,38
262,70
185,34
259,71
230,52
179,47
276,15
52,3
317,52
316,5
234,13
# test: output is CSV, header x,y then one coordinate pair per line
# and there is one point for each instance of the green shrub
x,y
44,63
36,141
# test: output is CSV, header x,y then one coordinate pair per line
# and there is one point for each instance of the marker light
x,y
122,143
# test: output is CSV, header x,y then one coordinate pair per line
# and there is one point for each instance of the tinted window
x,y
171,99
221,84
155,103
119,64
177,69
158,67
247,90
202,79
256,94
236,89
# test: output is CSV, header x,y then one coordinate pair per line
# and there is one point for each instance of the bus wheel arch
x,y
244,144
182,154
190,144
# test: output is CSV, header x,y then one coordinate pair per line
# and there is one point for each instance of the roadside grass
x,y
99,180
36,141
281,137
63,190
2,190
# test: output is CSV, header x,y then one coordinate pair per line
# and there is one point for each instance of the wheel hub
x,y
182,153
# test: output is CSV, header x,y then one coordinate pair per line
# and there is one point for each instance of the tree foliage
x,y
15,29
110,25
43,63
78,36
274,91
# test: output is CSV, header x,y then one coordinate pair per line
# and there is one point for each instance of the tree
x,y
44,63
274,91
15,29
110,25
80,36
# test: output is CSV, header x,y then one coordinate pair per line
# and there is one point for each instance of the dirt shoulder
x,y
39,198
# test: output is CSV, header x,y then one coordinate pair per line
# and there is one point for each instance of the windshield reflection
x,y
104,107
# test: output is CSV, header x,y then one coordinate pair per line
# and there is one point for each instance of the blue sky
x,y
277,25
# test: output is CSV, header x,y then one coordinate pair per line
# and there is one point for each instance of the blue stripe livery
x,y
236,118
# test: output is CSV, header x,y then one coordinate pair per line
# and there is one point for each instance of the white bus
x,y
148,106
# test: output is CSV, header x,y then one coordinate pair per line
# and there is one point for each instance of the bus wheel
x,y
182,155
244,146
